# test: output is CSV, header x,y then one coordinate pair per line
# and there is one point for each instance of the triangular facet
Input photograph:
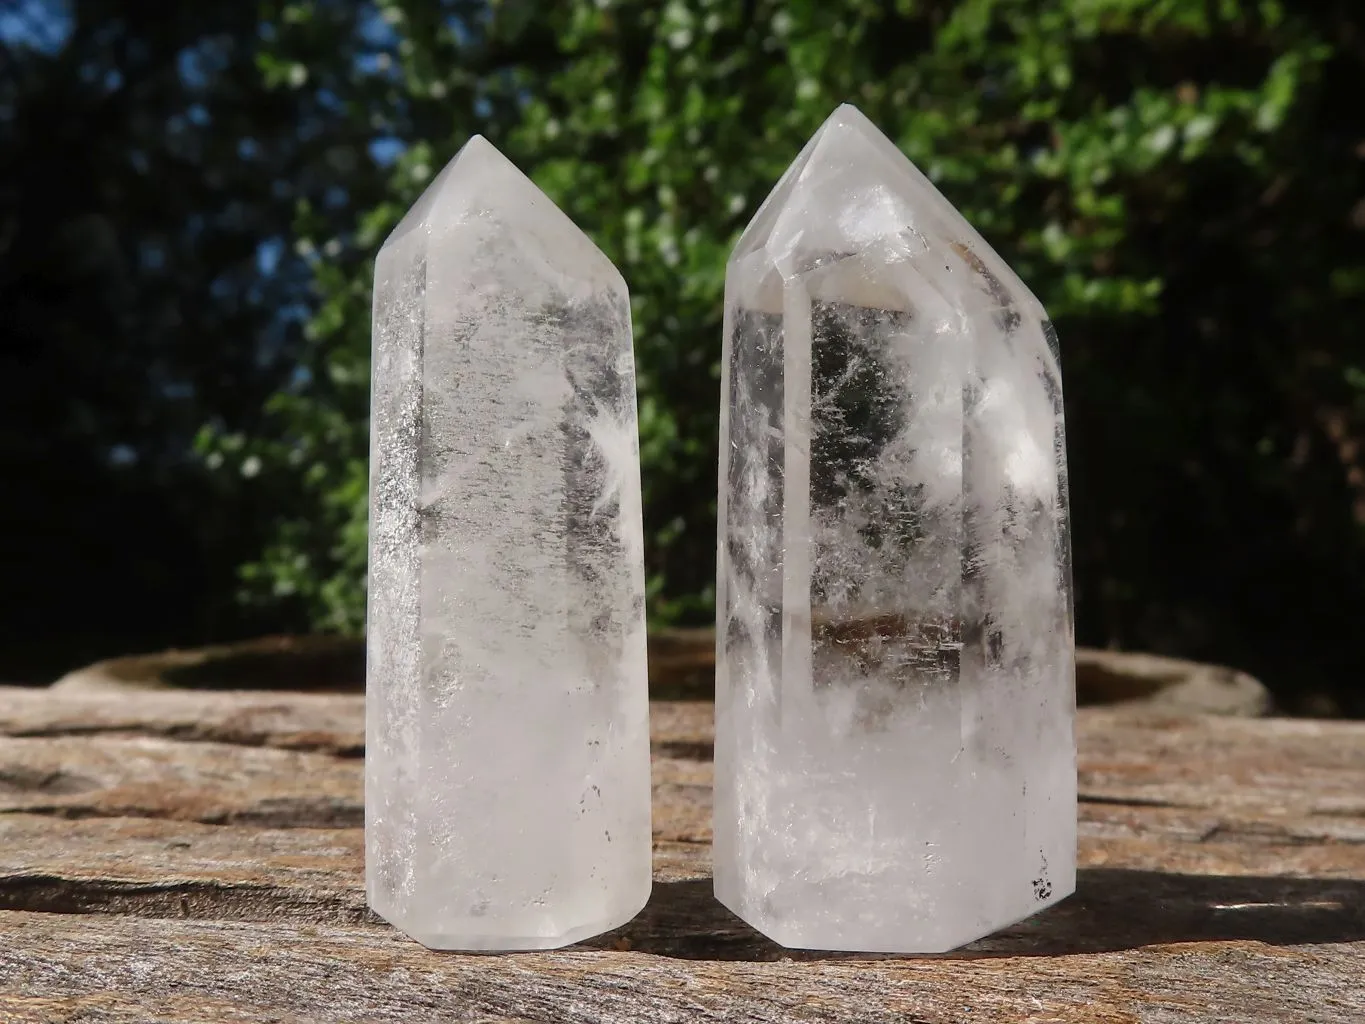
x,y
419,214
849,162
481,184
755,236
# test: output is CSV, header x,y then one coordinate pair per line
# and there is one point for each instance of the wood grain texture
x,y
187,857
290,721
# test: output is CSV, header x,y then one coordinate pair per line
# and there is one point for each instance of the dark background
x,y
191,196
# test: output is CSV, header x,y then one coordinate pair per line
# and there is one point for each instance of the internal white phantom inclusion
x,y
895,759
507,775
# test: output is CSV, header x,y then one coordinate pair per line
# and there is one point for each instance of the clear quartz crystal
x,y
507,743
895,758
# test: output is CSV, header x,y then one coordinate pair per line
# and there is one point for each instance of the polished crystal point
x,y
895,760
507,743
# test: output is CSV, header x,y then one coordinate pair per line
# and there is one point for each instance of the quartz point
x,y
895,693
507,792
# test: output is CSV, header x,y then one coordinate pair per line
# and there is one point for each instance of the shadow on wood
x,y
1113,909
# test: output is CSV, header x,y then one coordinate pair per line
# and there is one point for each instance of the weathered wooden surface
x,y
187,857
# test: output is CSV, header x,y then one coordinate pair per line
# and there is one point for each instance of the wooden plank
x,y
1276,766
169,857
167,868
86,776
58,967
292,721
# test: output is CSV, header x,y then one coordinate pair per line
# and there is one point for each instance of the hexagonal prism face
x,y
507,750
895,760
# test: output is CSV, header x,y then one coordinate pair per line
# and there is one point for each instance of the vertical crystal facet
x,y
895,760
507,745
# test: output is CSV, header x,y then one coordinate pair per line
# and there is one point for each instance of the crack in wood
x,y
685,750
20,779
1132,801
37,892
314,742
281,812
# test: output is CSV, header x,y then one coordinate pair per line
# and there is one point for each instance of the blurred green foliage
x,y
149,178
1182,182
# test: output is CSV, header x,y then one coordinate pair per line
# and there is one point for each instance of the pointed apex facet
x,y
850,186
481,186
755,236
848,115
419,214
478,158
479,144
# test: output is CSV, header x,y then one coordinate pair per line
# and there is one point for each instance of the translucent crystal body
x,y
507,742
895,761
